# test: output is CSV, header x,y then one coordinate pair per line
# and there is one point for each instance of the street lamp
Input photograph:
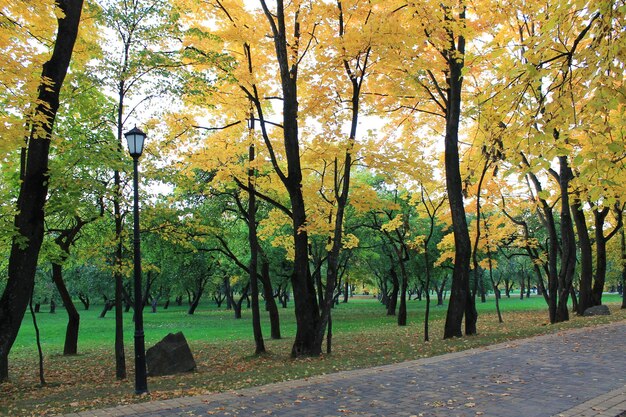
x,y
135,139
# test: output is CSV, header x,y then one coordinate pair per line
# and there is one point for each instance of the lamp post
x,y
135,139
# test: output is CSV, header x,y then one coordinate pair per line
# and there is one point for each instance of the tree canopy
x,y
315,145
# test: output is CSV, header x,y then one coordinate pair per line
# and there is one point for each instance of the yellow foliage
x,y
350,241
393,224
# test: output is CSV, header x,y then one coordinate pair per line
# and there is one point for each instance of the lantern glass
x,y
135,139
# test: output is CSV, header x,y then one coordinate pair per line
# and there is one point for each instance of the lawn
x,y
223,346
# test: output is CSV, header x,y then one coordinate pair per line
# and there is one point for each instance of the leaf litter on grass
x,y
87,381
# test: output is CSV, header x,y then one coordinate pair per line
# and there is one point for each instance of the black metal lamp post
x,y
135,139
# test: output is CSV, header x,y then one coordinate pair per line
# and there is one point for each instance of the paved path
x,y
573,373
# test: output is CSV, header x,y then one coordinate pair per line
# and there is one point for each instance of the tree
x,y
77,182
435,68
549,74
29,220
252,268
296,29
431,203
140,54
397,231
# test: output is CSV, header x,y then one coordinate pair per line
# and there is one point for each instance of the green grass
x,y
210,324
222,346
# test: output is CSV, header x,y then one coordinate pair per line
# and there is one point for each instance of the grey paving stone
x,y
575,373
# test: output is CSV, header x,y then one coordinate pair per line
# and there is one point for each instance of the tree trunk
x,y
383,292
29,220
329,336
393,298
306,306
268,292
73,323
568,249
195,301
227,291
440,290
495,290
623,247
461,301
120,356
108,306
601,240
585,299
481,288
575,303
237,309
427,285
254,252
84,298
550,294
342,188
403,289
42,379
218,297
600,276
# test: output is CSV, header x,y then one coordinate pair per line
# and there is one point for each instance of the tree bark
x,y
550,294
120,355
73,323
568,245
29,221
623,247
237,304
195,301
42,379
461,301
403,289
84,298
392,300
268,293
585,298
440,289
601,240
254,255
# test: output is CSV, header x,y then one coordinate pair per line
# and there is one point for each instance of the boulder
x,y
170,356
597,311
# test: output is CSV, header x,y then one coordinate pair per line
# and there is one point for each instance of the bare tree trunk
x,y
623,247
42,379
601,240
73,323
268,292
393,298
403,289
586,268
568,251
254,244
